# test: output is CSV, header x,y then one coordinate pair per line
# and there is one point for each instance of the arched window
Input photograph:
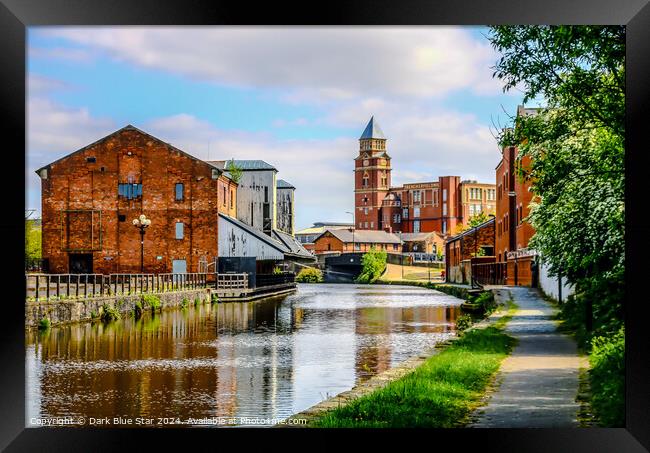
x,y
365,178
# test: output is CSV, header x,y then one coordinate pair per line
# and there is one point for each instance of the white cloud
x,y
314,64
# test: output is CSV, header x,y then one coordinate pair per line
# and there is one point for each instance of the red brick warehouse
x,y
91,196
439,206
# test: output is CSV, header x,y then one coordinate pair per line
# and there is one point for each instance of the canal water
x,y
247,363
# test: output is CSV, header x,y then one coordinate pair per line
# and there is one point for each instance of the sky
x,y
296,97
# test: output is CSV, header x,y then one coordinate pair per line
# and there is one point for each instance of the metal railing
x,y
489,273
68,286
274,279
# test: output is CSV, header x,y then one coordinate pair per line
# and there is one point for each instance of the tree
x,y
576,150
32,240
235,171
478,219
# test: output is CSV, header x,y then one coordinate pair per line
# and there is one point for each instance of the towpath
x,y
538,383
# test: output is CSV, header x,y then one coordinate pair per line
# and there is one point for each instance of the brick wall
x,y
102,226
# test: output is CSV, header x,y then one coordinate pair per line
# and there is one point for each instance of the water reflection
x,y
266,359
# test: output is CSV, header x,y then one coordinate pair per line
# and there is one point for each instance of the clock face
x,y
365,162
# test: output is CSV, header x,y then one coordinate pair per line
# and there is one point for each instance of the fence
x,y
274,279
59,286
489,273
232,281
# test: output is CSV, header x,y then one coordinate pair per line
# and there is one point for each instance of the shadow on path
x,y
538,383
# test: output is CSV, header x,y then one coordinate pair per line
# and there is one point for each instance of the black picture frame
x,y
17,15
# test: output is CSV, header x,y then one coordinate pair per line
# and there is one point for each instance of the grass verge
x,y
440,393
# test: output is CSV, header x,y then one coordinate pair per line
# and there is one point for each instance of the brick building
x,y
91,196
344,240
412,208
475,245
512,208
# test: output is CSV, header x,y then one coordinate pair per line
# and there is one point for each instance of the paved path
x,y
538,382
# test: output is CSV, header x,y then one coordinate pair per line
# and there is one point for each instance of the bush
x,y
184,302
109,313
607,376
151,301
277,270
463,322
214,298
374,264
44,324
486,301
309,275
197,301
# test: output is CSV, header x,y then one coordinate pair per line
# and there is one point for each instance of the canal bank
x,y
265,359
391,398
61,312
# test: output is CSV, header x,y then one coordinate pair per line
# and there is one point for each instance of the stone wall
x,y
79,310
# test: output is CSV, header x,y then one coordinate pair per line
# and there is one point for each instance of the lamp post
x,y
141,223
353,227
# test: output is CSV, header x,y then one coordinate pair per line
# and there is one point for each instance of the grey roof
x,y
293,246
372,130
282,184
365,236
412,237
278,245
244,164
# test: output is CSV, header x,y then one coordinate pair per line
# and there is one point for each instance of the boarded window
x,y
129,191
179,230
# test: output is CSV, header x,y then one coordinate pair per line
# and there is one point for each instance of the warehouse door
x,y
81,263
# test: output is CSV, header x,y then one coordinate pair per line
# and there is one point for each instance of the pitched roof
x,y
294,247
278,245
412,237
365,236
471,230
249,165
128,127
282,184
372,130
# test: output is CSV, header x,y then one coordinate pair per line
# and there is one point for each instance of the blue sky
x,y
295,97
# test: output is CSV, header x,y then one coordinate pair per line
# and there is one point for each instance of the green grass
x,y
440,393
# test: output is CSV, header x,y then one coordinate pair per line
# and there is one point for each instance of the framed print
x,y
362,218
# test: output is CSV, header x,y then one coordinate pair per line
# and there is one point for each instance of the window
x,y
416,196
129,191
360,224
444,227
444,209
365,211
224,196
365,179
444,194
232,198
372,224
179,191
91,159
405,213
266,194
179,230
357,246
121,217
416,212
396,218
435,197
366,224
416,226
394,246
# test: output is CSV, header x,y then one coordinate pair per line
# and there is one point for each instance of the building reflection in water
x,y
265,359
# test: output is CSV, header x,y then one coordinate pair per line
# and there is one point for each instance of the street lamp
x,y
353,227
142,223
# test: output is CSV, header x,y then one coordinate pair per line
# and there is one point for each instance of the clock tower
x,y
371,178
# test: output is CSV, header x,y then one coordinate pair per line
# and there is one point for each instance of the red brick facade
x,y
87,214
412,208
512,207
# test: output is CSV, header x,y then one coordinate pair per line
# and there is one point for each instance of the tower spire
x,y
372,130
